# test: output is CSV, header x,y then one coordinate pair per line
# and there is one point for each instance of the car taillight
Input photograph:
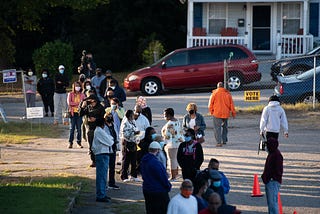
x,y
280,89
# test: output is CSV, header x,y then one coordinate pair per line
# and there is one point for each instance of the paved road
x,y
239,159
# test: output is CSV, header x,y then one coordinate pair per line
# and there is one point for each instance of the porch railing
x,y
214,40
295,45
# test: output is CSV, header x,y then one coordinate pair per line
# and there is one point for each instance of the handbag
x,y
262,144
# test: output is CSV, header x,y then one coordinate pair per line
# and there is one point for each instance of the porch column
x,y
305,25
190,23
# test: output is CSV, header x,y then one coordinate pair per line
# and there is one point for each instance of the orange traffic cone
x,y
295,212
256,187
279,203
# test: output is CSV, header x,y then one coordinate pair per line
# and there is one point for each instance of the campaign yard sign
x,y
9,76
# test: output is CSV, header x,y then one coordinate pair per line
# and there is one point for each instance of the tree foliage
x,y
53,54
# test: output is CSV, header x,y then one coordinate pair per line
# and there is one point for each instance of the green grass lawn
x,y
42,195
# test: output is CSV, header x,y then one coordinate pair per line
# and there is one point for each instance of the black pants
x,y
128,158
90,135
189,173
47,100
156,202
272,134
112,166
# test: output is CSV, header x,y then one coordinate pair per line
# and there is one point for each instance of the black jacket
x,y
89,111
60,88
45,86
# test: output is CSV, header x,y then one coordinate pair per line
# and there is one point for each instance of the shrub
x,y
154,51
53,54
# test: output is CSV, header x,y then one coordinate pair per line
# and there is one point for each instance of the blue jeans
x,y
219,123
272,190
102,163
75,123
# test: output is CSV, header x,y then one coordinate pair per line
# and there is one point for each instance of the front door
x,y
261,27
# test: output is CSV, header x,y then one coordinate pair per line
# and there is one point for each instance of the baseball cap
x,y
154,145
61,67
214,174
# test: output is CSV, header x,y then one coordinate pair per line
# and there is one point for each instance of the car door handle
x,y
191,70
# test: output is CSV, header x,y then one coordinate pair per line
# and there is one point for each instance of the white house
x,y
279,27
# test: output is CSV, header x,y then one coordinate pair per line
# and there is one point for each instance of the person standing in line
x,y
214,164
184,202
119,92
102,148
142,121
60,95
273,118
156,186
195,121
200,187
75,97
171,132
220,106
146,110
96,81
128,136
272,174
105,84
93,110
190,155
45,88
30,88
113,132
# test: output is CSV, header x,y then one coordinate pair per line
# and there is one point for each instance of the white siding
x,y
235,12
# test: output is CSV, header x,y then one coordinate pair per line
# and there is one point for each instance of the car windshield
x,y
155,63
314,51
308,74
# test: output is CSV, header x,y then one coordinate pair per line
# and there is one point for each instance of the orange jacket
x,y
221,104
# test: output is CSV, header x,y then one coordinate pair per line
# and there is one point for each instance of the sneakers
x,y
55,123
46,115
79,145
113,186
70,146
126,180
219,145
135,179
93,164
66,123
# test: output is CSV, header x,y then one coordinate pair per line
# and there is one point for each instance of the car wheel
x,y
308,99
234,81
151,87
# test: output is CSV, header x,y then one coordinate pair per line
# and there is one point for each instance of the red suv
x,y
196,67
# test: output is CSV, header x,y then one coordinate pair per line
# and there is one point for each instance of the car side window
x,y
237,53
178,59
202,56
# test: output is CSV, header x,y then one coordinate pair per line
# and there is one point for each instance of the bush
x,y
53,54
154,51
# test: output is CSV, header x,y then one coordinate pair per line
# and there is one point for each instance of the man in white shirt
x,y
184,202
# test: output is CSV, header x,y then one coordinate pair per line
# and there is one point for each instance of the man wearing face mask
x,y
215,180
184,202
30,88
118,91
105,83
155,181
190,155
96,81
60,95
45,88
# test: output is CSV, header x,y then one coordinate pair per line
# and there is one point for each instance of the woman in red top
x,y
73,100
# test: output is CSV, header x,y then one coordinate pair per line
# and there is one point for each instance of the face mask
x,y
109,77
187,138
153,136
30,73
44,75
217,183
61,71
88,87
77,88
113,107
110,96
186,193
191,112
162,144
113,87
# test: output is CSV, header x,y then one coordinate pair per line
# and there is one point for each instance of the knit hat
x,y
274,98
154,145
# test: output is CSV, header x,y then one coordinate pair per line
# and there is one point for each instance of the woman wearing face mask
x,y
88,88
45,88
30,88
74,99
190,156
195,121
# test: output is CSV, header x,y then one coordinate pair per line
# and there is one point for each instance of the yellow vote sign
x,y
251,96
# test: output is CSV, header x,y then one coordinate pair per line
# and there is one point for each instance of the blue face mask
x,y
187,138
153,136
217,183
61,71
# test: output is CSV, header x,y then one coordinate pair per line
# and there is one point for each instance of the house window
x,y
217,17
291,18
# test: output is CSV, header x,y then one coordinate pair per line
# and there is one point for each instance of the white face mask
x,y
44,75
113,87
77,88
30,73
61,71
88,87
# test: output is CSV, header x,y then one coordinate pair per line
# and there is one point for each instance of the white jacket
x,y
273,118
102,142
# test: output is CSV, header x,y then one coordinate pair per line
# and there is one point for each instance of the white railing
x,y
295,45
194,41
